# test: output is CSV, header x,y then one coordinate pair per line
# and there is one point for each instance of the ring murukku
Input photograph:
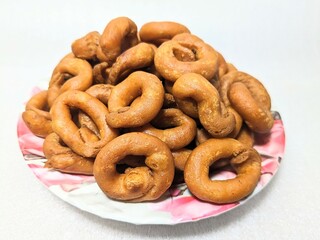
x,y
70,74
63,125
171,66
244,160
135,101
137,184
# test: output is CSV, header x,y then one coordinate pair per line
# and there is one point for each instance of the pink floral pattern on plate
x,y
185,208
30,145
177,206
67,182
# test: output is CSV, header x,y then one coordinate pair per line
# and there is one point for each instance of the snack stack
x,y
137,108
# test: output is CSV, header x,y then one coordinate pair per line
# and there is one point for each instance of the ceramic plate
x,y
176,206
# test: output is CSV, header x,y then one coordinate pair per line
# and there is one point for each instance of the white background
x,y
276,41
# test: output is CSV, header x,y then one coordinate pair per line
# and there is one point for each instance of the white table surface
x,y
276,41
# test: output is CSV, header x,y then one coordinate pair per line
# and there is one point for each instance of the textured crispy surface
x,y
62,158
159,32
70,74
63,125
136,57
211,111
172,126
119,35
171,67
135,101
162,81
36,114
245,161
249,98
138,184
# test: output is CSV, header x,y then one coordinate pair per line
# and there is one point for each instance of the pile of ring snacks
x,y
139,108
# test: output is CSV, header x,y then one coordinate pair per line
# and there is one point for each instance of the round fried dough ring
x,y
136,57
70,134
63,159
171,126
249,98
159,32
245,161
137,184
119,35
214,117
145,93
70,74
171,67
37,116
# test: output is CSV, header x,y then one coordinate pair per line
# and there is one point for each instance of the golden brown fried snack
x,y
119,35
145,183
231,67
238,123
37,116
63,125
203,135
245,161
214,117
159,32
63,159
157,91
249,98
180,157
101,92
70,74
246,136
135,101
171,126
222,66
172,66
136,57
222,70
100,73
88,47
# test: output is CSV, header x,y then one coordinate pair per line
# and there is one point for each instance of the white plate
x,y
176,206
